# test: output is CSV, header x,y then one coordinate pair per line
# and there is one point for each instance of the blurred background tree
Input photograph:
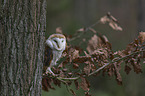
x,y
74,14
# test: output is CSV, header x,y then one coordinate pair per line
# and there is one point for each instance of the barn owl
x,y
55,45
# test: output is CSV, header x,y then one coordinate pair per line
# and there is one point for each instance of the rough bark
x,y
22,28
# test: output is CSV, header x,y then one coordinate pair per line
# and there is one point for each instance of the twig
x,y
73,78
85,30
88,28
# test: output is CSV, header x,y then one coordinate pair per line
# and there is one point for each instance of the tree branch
x,y
99,69
83,30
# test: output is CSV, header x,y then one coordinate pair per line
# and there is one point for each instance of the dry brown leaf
x,y
59,30
120,53
93,44
127,69
113,23
84,84
81,59
110,72
96,42
91,29
115,26
81,30
75,66
87,94
46,85
102,52
136,67
117,74
105,38
75,54
142,35
76,84
104,19
57,82
87,69
86,54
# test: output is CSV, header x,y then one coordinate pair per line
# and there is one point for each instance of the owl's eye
x,y
55,41
62,41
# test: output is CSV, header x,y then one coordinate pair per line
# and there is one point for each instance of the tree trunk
x,y
22,28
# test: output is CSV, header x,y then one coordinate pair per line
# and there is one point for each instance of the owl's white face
x,y
57,42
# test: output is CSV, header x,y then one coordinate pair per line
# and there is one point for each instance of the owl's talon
x,y
48,71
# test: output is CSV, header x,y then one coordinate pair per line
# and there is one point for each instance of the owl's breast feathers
x,y
47,57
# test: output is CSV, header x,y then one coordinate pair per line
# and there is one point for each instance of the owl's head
x,y
56,42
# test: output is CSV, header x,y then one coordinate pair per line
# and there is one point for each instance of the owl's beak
x,y
59,45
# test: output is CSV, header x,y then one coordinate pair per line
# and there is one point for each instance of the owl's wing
x,y
47,57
